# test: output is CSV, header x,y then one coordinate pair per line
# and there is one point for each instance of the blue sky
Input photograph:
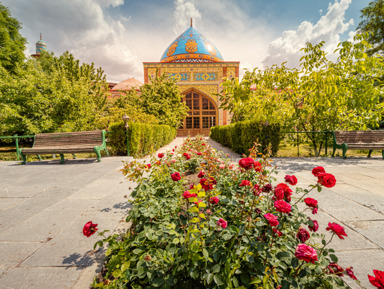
x,y
119,35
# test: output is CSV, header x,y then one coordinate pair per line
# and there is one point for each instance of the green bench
x,y
358,139
67,142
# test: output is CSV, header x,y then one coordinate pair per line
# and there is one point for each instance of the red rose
x,y
256,190
207,184
187,156
292,180
201,174
315,226
246,163
350,273
327,180
311,202
279,193
199,153
378,280
176,177
160,155
89,229
257,166
306,253
188,195
317,170
303,235
149,166
222,223
287,191
337,229
272,219
214,200
282,206
277,232
245,183
267,188
335,268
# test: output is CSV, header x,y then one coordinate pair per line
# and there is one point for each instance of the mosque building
x,y
40,47
199,69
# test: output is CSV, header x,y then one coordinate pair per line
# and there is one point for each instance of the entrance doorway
x,y
202,115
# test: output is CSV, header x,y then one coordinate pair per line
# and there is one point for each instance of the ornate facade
x,y
199,69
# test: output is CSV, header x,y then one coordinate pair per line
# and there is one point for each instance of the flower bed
x,y
198,221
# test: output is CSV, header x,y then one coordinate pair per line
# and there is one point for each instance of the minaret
x,y
40,45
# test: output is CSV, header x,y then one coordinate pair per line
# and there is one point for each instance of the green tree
x,y
162,99
12,44
324,95
373,22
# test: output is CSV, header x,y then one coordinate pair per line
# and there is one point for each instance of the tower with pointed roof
x,y
40,47
199,69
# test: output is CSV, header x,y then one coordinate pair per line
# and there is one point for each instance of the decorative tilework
x,y
205,76
151,73
205,88
231,72
180,76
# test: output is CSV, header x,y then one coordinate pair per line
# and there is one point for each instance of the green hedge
x,y
240,136
143,138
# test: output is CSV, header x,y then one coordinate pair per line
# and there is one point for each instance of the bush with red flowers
x,y
203,230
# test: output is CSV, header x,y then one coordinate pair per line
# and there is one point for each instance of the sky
x,y
119,35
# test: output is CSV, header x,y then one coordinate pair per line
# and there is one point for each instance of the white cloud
x,y
184,11
113,3
328,29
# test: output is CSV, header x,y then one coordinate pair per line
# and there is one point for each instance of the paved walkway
x,y
44,205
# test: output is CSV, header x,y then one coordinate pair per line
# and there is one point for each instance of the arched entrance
x,y
202,115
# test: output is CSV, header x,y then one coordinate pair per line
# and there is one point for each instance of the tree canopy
x,y
373,22
12,44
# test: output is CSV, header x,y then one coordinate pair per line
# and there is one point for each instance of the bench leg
x,y
61,158
74,156
382,152
98,154
334,150
344,147
369,154
24,159
106,152
40,159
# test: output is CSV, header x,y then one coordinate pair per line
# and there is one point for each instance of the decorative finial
x,y
41,36
191,21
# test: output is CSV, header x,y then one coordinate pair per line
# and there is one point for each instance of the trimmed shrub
x,y
240,136
143,138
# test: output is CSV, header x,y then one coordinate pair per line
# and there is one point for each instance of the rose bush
x,y
219,226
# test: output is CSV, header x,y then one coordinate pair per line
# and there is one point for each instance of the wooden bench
x,y
358,139
67,142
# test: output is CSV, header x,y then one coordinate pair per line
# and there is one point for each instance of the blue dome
x,y
191,46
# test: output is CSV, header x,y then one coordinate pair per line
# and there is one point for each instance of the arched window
x,y
202,115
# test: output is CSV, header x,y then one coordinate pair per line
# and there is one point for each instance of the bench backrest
x,y
92,138
359,136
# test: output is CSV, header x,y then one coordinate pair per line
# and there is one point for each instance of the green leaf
x,y
202,216
157,282
333,258
116,273
209,278
192,200
125,266
194,220
193,210
176,241
137,251
201,205
218,280
216,268
201,194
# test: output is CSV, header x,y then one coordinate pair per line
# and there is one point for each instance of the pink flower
x,y
337,229
292,180
282,206
214,200
160,155
272,219
201,174
188,195
245,183
222,223
176,177
315,226
306,253
350,273
222,167
378,280
173,160
317,170
89,229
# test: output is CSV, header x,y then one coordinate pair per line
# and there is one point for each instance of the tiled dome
x,y
191,46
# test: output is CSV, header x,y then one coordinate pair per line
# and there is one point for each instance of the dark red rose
x,y
282,206
279,193
317,170
350,273
337,229
303,235
287,191
257,166
292,180
246,163
201,174
187,156
327,180
378,280
245,183
149,166
315,226
89,229
277,232
256,190
311,202
267,188
272,219
207,184
335,268
176,177
306,253
160,155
